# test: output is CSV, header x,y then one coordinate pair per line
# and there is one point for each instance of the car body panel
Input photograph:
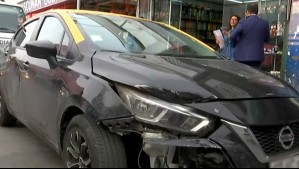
x,y
263,112
190,79
240,154
40,83
11,79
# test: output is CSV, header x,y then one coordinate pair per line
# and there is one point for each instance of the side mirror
x,y
43,50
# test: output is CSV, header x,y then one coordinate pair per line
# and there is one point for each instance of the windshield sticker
x,y
96,38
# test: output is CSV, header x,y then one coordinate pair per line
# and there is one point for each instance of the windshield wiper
x,y
7,30
212,99
116,51
178,55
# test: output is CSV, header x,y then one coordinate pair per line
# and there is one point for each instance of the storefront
x,y
127,7
276,13
196,17
201,18
32,7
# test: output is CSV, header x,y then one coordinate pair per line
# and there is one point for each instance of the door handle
x,y
26,65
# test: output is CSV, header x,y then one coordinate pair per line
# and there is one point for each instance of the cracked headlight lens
x,y
154,111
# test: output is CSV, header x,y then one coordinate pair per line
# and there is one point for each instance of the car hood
x,y
185,80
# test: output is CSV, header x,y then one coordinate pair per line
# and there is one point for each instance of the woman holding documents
x,y
227,49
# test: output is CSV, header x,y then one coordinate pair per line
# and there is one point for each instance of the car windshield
x,y
138,36
11,17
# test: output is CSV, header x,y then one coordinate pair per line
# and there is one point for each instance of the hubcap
x,y
77,152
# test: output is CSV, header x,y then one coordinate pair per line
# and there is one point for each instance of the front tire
x,y
6,119
87,145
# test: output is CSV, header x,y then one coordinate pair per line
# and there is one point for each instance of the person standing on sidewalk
x,y
249,36
229,47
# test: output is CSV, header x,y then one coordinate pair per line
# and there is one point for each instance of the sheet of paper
x,y
219,37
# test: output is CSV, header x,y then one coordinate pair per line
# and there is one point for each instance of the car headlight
x,y
154,111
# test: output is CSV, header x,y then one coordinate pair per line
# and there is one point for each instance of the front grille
x,y
268,137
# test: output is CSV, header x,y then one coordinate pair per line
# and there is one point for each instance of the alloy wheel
x,y
78,151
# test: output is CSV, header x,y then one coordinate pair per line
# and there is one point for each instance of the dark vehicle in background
x,y
107,90
11,17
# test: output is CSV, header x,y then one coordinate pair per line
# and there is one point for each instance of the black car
x,y
107,90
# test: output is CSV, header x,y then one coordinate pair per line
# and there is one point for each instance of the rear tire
x,y
87,145
6,119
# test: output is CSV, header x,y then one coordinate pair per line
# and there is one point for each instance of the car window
x,y
64,46
100,35
129,35
53,31
25,34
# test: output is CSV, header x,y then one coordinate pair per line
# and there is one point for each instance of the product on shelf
x,y
200,21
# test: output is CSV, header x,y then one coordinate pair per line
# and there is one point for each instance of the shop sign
x,y
33,5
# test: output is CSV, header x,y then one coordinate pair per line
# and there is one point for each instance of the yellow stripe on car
x,y
76,33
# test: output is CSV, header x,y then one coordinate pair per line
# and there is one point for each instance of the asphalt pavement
x,y
20,148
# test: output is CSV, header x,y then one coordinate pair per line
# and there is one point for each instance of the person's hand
x,y
217,41
226,33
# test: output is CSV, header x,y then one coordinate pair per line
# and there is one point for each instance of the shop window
x,y
275,12
161,11
144,9
126,7
201,19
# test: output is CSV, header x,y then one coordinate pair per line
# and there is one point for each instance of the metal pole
x,y
180,19
78,4
151,9
170,12
260,6
276,38
138,9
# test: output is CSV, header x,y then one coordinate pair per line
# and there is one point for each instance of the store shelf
x,y
200,22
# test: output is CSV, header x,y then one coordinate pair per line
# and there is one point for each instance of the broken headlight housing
x,y
151,110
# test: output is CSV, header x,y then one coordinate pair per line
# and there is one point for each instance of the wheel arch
x,y
68,115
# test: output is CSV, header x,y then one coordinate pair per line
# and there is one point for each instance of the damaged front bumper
x,y
184,152
223,148
230,145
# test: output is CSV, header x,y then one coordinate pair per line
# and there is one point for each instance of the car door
x,y
40,85
12,68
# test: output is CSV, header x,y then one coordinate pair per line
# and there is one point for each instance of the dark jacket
x,y
249,36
